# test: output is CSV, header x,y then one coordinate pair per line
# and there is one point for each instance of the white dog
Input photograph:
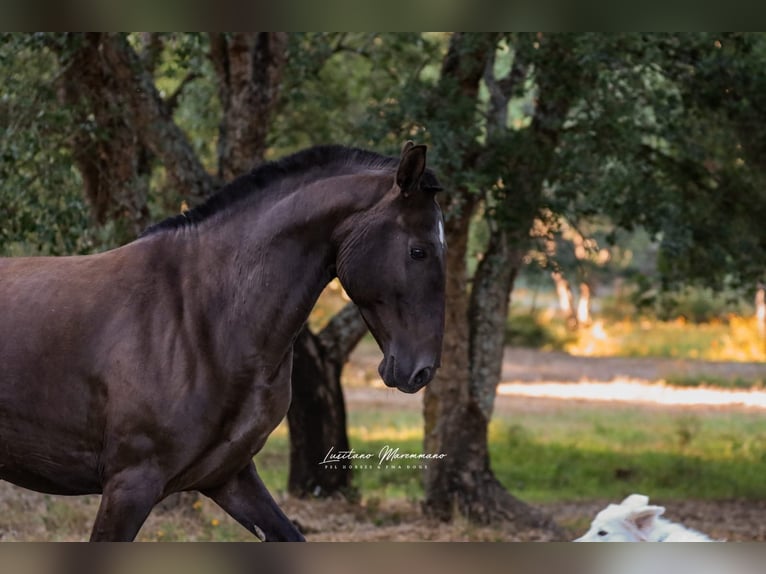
x,y
635,520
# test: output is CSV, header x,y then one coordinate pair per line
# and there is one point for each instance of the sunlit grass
x,y
597,453
736,339
581,452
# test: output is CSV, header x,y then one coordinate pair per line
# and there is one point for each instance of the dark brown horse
x,y
163,365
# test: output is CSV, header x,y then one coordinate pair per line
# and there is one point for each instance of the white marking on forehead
x,y
440,232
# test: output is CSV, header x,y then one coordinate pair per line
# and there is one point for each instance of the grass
x,y
576,453
733,383
587,453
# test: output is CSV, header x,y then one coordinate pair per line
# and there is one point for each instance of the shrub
x,y
534,331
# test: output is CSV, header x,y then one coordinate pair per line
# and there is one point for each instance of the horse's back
x,y
49,305
54,313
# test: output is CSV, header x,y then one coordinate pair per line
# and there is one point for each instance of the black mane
x,y
318,158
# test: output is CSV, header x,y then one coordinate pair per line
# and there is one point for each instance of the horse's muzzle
x,y
406,380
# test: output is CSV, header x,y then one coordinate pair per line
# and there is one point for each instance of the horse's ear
x,y
411,167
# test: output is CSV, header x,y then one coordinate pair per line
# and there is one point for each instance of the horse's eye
x,y
417,253
602,533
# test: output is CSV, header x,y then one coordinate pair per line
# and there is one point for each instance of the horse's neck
x,y
269,269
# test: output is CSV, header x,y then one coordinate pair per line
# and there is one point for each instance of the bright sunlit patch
x,y
735,339
627,390
390,433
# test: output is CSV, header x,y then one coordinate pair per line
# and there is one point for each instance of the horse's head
x,y
392,266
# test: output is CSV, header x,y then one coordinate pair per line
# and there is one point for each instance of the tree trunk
x,y
249,67
446,398
117,96
566,299
106,145
317,421
317,415
488,312
153,120
458,403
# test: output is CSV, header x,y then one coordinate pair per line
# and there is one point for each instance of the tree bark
x,y
106,146
317,415
249,67
154,121
124,120
447,397
488,312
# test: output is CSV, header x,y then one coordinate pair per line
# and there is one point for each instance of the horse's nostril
x,y
422,376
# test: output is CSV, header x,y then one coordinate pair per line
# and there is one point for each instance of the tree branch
x,y
152,44
343,333
153,121
501,90
171,102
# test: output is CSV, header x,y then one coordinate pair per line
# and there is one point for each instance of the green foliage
x,y
344,88
198,111
42,209
532,330
650,144
640,296
659,134
697,305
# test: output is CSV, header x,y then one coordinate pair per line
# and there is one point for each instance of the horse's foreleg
x,y
245,498
127,500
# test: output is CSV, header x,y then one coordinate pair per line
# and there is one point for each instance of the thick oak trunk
x,y
458,403
106,146
249,67
153,119
317,415
317,421
124,122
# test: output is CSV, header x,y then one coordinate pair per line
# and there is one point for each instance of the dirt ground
x,y
25,515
